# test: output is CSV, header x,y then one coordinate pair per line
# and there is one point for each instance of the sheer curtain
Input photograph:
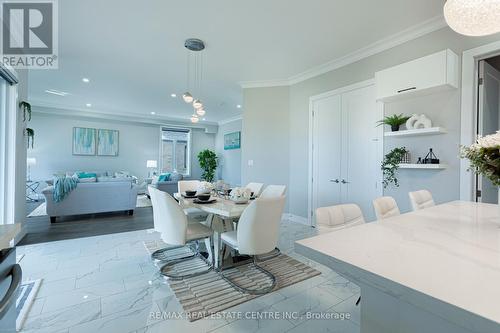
x,y
8,122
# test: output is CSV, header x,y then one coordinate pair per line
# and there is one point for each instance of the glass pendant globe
x,y
187,97
194,118
473,17
200,112
197,104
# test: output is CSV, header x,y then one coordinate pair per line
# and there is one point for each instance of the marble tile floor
x,y
109,284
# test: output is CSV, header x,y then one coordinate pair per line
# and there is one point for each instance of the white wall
x,y
297,118
138,143
229,160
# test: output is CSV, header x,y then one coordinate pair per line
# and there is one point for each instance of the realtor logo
x,y
29,34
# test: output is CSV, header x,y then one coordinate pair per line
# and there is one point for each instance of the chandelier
x,y
473,17
194,47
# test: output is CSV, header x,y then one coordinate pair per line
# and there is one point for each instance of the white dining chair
x,y
256,188
338,217
421,199
385,207
172,224
273,191
257,234
191,185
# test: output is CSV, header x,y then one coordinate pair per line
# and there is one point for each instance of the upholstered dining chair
x,y
385,207
421,199
257,234
273,191
191,185
172,224
338,217
256,188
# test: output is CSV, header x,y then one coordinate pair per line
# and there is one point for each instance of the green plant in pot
x,y
395,121
390,165
208,163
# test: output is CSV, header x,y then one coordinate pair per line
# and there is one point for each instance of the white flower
x,y
241,192
205,187
489,141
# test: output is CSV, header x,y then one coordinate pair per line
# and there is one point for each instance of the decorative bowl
x,y
204,197
190,193
239,200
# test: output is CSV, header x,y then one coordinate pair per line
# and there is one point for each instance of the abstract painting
x,y
107,142
84,141
232,141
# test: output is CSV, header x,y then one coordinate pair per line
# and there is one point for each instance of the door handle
x,y
334,181
16,273
344,181
407,89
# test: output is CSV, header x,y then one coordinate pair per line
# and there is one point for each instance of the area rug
x,y
209,293
142,201
26,297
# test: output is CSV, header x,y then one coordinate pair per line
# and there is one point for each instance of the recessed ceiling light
x,y
88,105
204,118
86,80
173,95
56,92
238,106
153,113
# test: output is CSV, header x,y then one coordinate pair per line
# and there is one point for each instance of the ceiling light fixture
x,y
56,92
473,17
194,119
88,105
238,106
194,46
200,112
187,97
153,113
197,104
173,95
86,80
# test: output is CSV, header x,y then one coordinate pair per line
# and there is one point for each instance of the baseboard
x,y
296,219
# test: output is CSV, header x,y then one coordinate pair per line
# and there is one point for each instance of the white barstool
x,y
421,199
385,207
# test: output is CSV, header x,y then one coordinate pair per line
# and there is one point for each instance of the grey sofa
x,y
90,198
168,186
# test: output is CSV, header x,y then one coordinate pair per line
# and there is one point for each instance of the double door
x,y
346,150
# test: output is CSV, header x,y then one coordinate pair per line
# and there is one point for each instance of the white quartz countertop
x,y
7,233
450,252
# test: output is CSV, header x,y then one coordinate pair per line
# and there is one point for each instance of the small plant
x,y
30,133
26,107
394,121
208,162
390,165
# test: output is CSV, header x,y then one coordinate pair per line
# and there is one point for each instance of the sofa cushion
x,y
86,175
113,179
87,180
164,177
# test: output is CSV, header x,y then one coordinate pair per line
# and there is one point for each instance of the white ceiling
x,y
133,52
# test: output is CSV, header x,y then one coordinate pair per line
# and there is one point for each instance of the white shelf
x,y
417,132
422,166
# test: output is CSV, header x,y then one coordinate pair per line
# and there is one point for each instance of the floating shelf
x,y
422,166
417,132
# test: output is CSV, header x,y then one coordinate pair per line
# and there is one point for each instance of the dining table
x,y
223,213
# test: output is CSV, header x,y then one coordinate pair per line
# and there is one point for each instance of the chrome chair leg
x,y
273,254
162,254
169,266
262,291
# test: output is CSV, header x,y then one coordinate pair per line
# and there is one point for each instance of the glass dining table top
x,y
222,207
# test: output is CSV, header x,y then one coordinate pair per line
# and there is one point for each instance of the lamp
x,y
200,112
194,119
151,164
473,17
187,97
30,161
197,104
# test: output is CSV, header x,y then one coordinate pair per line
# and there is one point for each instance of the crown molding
x,y
414,32
47,109
229,120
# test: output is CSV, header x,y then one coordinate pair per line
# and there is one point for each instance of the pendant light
x,y
200,112
473,17
187,97
197,104
194,119
194,46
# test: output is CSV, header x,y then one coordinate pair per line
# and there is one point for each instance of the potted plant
x,y
390,165
484,157
208,162
395,121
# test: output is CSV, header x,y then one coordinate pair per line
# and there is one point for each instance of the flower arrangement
x,y
241,194
205,187
484,157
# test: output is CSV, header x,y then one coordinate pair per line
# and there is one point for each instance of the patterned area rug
x,y
142,201
204,295
25,298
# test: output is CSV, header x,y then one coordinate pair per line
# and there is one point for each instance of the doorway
x,y
488,118
346,148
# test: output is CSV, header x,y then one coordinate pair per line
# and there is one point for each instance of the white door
x,y
327,150
361,174
347,150
488,121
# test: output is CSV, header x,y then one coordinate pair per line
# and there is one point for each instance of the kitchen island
x,y
434,270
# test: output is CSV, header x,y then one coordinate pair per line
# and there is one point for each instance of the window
x,y
175,150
